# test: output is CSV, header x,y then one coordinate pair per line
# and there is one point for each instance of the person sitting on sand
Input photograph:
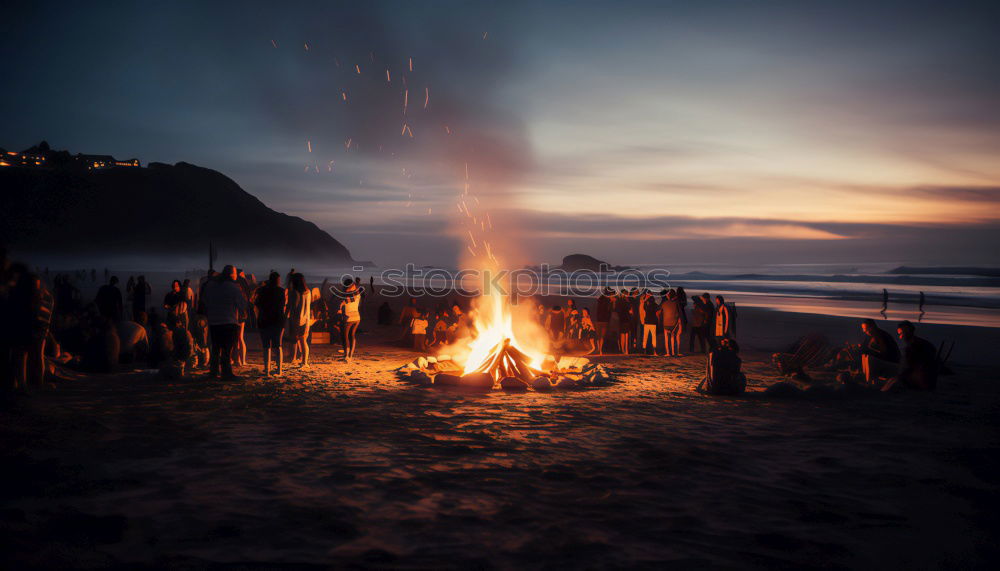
x,y
418,331
134,341
723,374
271,301
879,353
920,365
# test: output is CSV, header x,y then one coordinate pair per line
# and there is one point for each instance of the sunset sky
x,y
640,132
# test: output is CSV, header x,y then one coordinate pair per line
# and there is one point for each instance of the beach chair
x,y
810,351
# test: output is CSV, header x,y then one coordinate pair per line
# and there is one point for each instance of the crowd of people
x,y
637,321
202,325
198,326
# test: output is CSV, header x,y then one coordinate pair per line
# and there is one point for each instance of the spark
x,y
427,97
411,64
485,34
471,251
388,78
357,68
275,44
447,129
466,171
309,146
406,100
472,238
428,211
343,94
347,144
316,167
306,46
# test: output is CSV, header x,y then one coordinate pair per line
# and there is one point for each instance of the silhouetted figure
x,y
670,311
271,300
920,307
879,353
602,317
385,314
885,303
224,303
920,366
140,295
109,301
724,375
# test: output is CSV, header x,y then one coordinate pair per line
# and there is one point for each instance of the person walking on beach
x,y
270,300
920,306
885,303
299,315
224,303
350,315
109,301
723,323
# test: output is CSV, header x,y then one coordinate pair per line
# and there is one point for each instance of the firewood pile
x,y
506,368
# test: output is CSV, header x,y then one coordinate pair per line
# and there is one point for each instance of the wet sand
x,y
344,465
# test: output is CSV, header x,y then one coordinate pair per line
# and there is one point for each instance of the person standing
x,y
224,304
709,328
602,316
175,305
140,295
623,308
270,300
299,314
650,322
885,303
723,323
670,311
109,301
350,315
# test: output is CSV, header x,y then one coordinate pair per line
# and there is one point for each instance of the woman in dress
x,y
299,316
350,315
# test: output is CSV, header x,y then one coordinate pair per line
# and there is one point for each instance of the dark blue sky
x,y
640,132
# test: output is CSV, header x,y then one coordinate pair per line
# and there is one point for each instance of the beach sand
x,y
345,465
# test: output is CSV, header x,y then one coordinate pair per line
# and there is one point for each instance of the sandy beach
x,y
346,465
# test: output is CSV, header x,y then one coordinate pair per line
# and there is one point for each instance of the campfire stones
x,y
513,384
477,381
566,373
